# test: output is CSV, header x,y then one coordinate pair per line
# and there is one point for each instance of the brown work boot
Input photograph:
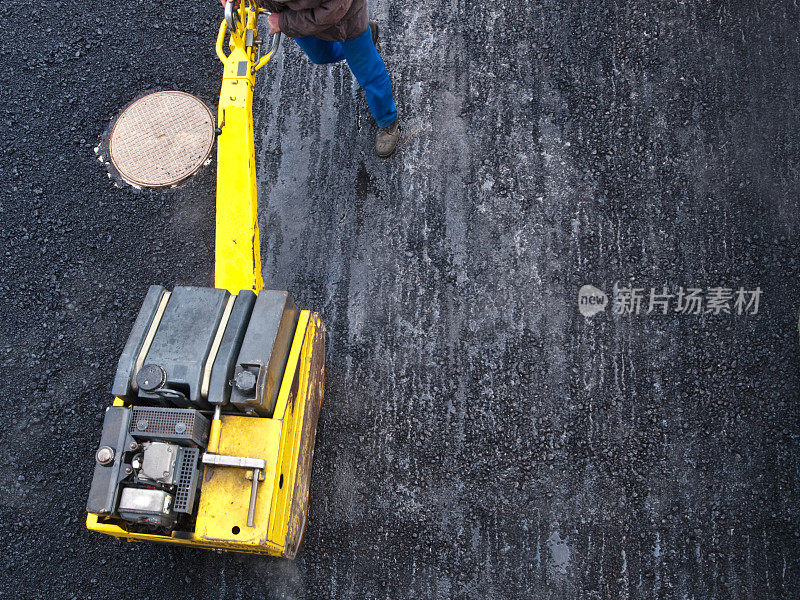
x,y
373,28
387,138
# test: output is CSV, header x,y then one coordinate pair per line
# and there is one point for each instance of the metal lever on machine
x,y
275,42
256,464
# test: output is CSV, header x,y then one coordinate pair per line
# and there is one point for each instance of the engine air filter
x,y
161,139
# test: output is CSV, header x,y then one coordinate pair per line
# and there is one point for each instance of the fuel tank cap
x,y
150,378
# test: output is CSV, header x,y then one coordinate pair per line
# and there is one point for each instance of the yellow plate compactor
x,y
211,434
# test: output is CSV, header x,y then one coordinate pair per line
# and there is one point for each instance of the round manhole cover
x,y
161,139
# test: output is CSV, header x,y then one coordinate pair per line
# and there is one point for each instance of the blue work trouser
x,y
366,64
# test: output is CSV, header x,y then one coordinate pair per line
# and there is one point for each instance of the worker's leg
x,y
320,52
368,67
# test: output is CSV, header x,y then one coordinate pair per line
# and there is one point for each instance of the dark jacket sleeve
x,y
309,17
271,5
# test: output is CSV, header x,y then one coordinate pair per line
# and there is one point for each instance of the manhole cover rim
x,y
206,148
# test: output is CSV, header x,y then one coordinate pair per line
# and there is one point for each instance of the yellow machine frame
x,y
286,440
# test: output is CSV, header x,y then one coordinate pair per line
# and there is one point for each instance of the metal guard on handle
x,y
231,16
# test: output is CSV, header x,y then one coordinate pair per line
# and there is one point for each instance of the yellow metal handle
x,y
216,430
223,28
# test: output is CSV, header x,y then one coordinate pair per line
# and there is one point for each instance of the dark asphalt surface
x,y
480,438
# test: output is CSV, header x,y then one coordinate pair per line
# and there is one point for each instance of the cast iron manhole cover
x,y
161,139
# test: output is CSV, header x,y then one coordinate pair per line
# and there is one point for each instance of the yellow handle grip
x,y
213,436
223,28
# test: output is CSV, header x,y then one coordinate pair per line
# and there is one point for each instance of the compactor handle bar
x,y
232,23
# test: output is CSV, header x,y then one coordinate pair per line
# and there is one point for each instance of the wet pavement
x,y
480,437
